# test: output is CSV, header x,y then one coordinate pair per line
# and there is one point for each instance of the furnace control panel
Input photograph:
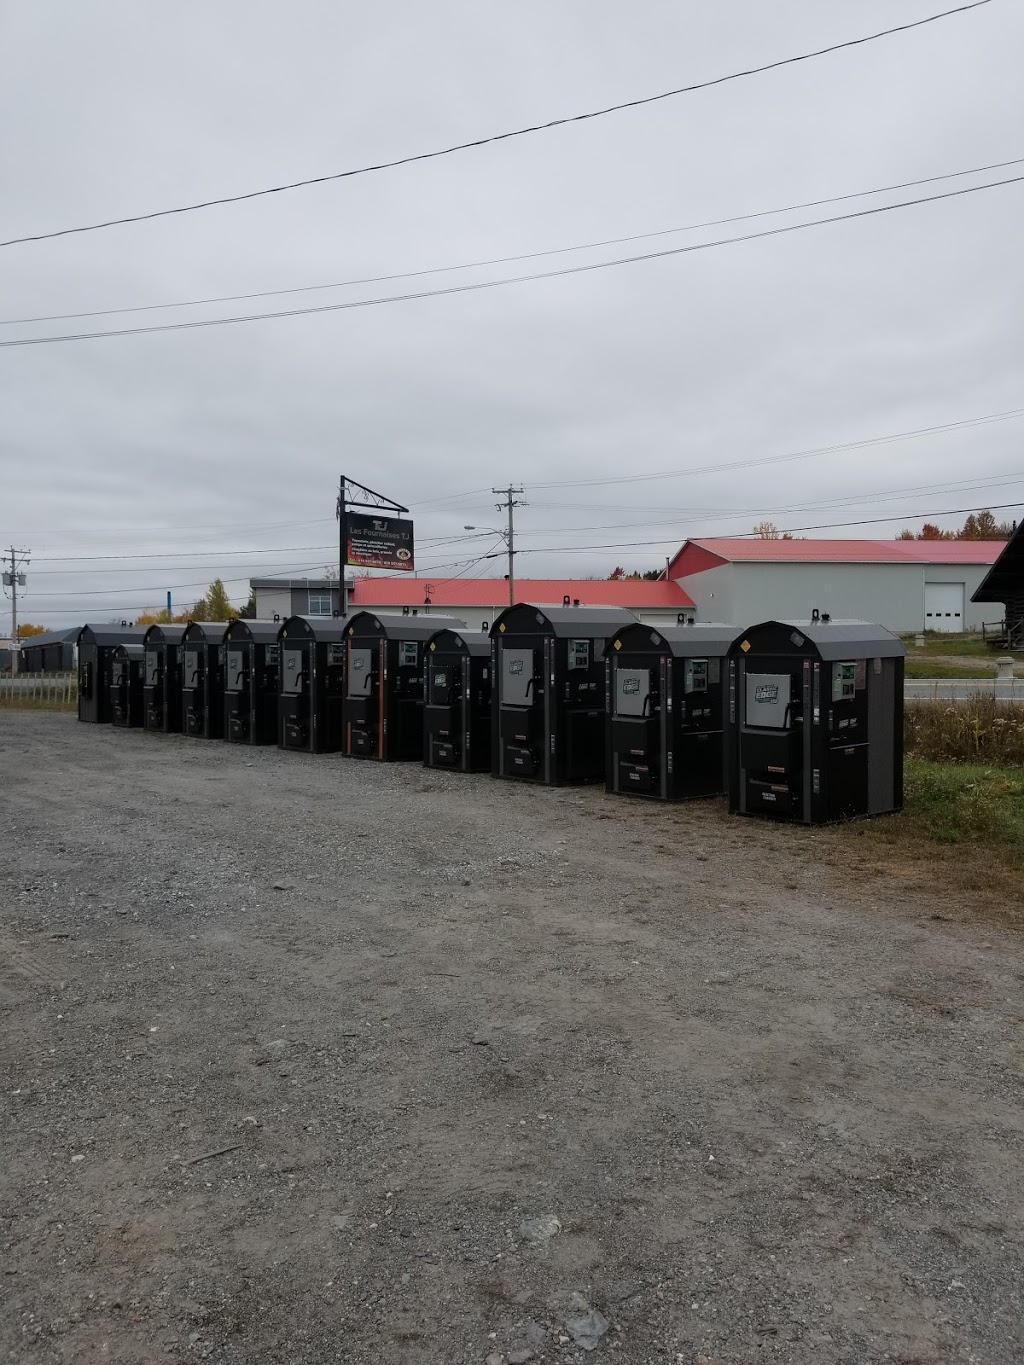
x,y
579,653
844,681
695,678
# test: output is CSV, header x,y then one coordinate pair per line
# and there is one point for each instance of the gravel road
x,y
309,1059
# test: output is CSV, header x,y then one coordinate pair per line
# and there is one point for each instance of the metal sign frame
x,y
352,494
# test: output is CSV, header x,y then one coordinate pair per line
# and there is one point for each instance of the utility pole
x,y
15,580
342,547
510,502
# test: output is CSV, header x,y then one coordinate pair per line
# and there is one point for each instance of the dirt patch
x,y
316,1060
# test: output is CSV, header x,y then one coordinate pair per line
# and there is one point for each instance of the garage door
x,y
943,606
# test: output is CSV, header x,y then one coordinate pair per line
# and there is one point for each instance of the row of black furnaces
x,y
798,720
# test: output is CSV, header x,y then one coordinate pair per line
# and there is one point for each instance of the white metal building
x,y
905,585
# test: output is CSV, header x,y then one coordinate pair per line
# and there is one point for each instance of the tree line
x,y
215,605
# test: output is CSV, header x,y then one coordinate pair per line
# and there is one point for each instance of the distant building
x,y
286,597
1004,583
474,600
905,585
53,652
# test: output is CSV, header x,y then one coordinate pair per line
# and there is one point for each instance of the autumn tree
x,y
27,629
983,526
216,605
932,532
163,617
978,526
767,530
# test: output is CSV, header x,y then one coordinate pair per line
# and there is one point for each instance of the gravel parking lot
x,y
308,1059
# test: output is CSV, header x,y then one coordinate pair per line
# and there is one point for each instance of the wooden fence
x,y
57,691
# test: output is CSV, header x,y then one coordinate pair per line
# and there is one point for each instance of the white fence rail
x,y
39,689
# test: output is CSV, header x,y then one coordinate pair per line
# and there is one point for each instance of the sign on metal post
x,y
379,542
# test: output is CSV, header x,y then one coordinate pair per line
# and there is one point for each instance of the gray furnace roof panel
x,y
106,634
207,632
566,622
846,639
397,626
474,642
262,632
324,629
161,634
701,640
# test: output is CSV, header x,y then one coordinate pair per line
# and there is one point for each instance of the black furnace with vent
x,y
548,714
202,679
311,683
815,720
161,688
457,701
383,708
665,699
96,645
127,670
250,682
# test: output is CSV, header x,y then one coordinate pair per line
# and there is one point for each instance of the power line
x,y
177,587
480,285
522,256
499,137
783,530
961,424
204,555
719,514
913,434
729,513
860,501
577,549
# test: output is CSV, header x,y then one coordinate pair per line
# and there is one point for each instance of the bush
x,y
980,731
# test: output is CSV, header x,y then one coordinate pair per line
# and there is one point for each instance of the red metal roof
x,y
403,590
953,551
697,555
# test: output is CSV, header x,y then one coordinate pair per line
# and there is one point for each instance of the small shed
x,y
52,652
96,645
161,688
383,709
202,679
251,655
1004,583
548,718
666,710
815,723
126,677
457,701
312,683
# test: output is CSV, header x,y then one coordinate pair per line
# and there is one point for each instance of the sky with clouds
x,y
220,448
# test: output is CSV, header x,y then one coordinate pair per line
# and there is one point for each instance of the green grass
x,y
36,704
972,808
937,642
922,668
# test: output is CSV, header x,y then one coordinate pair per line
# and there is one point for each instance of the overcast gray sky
x,y
232,438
